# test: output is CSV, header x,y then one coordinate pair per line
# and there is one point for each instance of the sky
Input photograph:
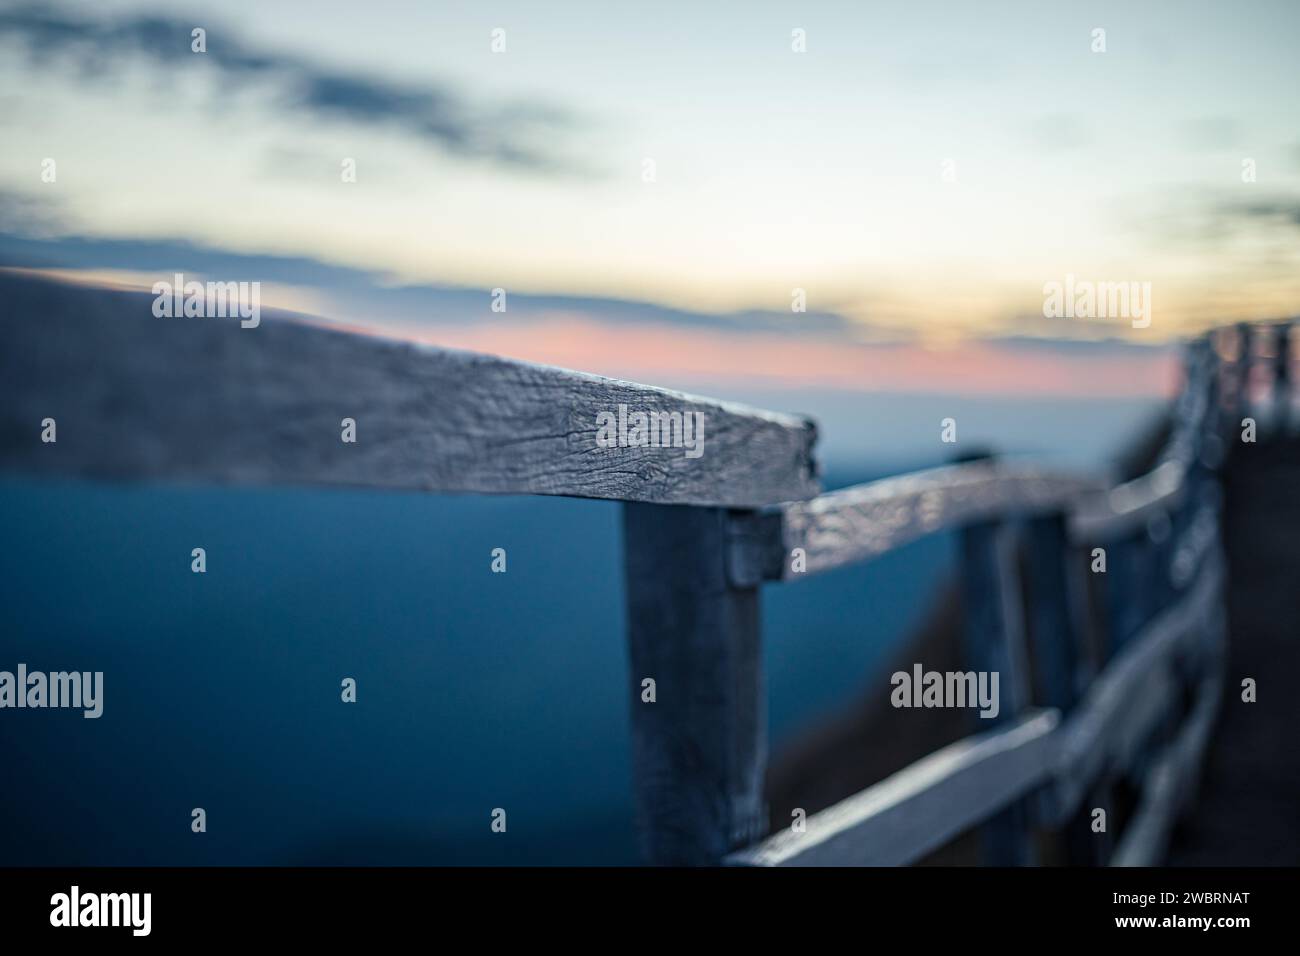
x,y
920,170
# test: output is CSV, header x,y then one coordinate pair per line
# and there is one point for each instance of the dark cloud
x,y
31,215
1244,220
509,135
1281,210
355,293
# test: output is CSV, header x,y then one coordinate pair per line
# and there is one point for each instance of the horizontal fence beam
x,y
923,806
1128,507
855,524
139,397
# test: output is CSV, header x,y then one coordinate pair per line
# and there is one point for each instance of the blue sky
x,y
773,170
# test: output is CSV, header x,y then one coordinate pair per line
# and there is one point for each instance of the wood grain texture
x,y
903,817
203,400
862,522
699,751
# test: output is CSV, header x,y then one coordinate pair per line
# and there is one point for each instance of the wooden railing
x,y
141,398
1114,692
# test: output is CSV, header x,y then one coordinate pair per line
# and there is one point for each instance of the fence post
x,y
1054,617
1244,363
994,642
1240,403
1282,379
1065,665
699,749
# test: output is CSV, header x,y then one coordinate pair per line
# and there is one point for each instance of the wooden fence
x,y
1129,693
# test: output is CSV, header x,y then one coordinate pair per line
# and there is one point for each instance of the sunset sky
x,y
773,170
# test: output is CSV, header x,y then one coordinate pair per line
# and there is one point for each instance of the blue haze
x,y
475,690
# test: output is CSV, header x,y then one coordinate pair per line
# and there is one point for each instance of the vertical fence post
x,y
1282,380
1054,625
1241,403
994,642
699,750
1244,370
1061,660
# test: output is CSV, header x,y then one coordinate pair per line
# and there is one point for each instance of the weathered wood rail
x,y
1129,693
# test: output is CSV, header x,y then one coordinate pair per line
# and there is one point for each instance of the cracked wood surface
x,y
204,400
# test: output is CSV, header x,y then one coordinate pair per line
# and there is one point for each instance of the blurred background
x,y
652,188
